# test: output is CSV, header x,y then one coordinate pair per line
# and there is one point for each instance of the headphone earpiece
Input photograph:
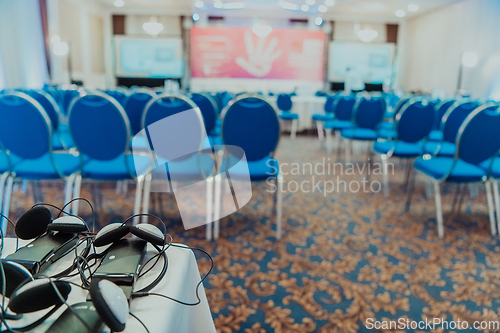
x,y
15,276
149,233
110,303
110,233
37,295
68,224
33,223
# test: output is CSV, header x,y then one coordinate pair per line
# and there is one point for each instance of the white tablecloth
x,y
305,107
157,313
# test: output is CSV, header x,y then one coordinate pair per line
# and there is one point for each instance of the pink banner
x,y
290,54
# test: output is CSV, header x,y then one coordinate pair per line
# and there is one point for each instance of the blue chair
x,y
450,125
413,124
61,140
441,108
342,109
285,104
251,124
208,108
26,133
368,114
67,98
119,94
102,134
185,156
134,106
478,141
321,118
387,127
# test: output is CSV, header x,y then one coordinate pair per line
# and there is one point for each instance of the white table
x,y
305,107
157,313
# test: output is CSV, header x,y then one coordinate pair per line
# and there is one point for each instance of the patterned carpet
x,y
344,257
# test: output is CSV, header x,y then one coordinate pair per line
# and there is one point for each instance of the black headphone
x,y
115,231
107,298
38,220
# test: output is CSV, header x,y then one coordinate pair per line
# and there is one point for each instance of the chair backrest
x,y
134,106
252,124
99,126
368,113
454,118
479,135
25,127
343,107
120,96
208,108
329,104
441,109
399,105
414,121
284,102
49,105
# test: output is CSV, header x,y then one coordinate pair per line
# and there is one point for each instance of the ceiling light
x,y
367,35
288,5
196,17
318,21
469,59
329,2
119,3
261,30
304,8
412,7
310,2
153,27
234,5
218,4
199,4
400,13
322,9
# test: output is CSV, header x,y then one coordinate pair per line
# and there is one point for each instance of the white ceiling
x,y
375,10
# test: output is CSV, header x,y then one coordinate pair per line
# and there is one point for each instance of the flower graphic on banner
x,y
260,57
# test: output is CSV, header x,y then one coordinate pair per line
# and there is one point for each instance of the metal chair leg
x,y
68,191
385,175
497,202
138,196
76,194
293,131
279,206
410,188
490,208
146,194
328,142
6,205
210,204
439,211
319,127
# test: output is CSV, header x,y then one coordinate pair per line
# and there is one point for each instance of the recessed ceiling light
x,y
400,13
412,7
329,2
322,9
196,17
318,21
310,2
218,4
288,5
304,8
199,4
119,3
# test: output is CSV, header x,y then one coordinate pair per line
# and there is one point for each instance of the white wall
x,y
436,40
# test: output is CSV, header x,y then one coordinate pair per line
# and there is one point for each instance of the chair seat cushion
x,y
387,125
322,117
289,116
401,149
435,135
116,169
259,170
42,168
444,148
4,161
338,124
385,133
363,134
438,167
495,168
195,168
